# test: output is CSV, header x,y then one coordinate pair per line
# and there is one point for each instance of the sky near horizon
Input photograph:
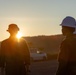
x,y
35,17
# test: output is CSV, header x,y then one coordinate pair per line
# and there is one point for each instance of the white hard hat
x,y
69,22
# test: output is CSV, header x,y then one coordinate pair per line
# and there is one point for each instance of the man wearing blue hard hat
x,y
67,54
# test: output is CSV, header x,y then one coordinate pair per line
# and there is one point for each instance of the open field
x,y
44,67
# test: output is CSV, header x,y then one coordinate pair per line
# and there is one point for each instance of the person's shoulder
x,y
65,41
3,41
69,40
22,40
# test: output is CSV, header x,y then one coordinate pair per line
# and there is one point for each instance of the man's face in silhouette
x,y
67,30
13,32
13,29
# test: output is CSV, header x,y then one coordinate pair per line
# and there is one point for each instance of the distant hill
x,y
49,44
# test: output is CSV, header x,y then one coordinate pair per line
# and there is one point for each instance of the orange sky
x,y
35,17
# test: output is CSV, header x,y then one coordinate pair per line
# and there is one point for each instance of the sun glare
x,y
19,35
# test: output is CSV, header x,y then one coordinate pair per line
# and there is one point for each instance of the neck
x,y
12,36
69,35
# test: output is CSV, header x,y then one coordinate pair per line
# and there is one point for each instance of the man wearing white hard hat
x,y
67,54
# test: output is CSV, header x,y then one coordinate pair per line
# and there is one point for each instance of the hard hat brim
x,y
68,26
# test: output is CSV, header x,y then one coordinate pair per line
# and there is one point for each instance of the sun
x,y
19,35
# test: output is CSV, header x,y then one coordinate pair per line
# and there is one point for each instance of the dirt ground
x,y
44,67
